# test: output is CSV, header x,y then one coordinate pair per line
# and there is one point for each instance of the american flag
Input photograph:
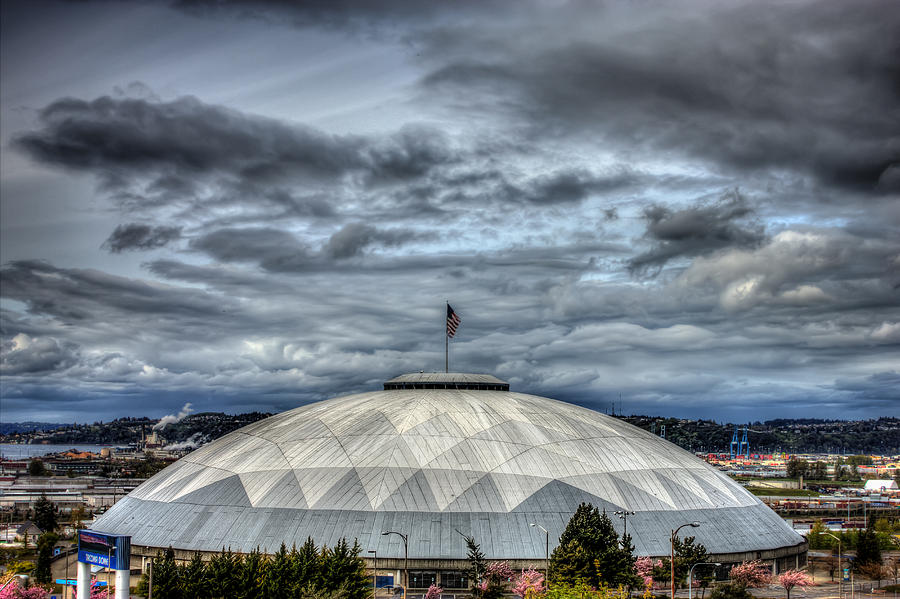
x,y
452,321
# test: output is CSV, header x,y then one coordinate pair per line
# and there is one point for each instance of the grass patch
x,y
892,588
782,492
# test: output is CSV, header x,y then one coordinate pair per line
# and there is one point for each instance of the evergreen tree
x,y
166,583
142,587
819,471
570,565
797,468
78,515
251,570
686,555
590,552
816,539
622,562
223,574
868,550
276,582
477,564
194,582
45,545
44,514
305,567
343,570
36,468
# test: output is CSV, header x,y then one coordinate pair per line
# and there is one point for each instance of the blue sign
x,y
101,549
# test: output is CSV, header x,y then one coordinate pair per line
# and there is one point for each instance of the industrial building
x,y
435,456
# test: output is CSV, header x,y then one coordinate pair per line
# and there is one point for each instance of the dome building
x,y
436,456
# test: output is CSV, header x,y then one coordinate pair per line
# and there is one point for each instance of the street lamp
x,y
374,572
691,575
840,572
623,514
547,544
672,544
405,556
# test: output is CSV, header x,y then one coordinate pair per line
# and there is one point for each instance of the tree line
x,y
307,572
591,561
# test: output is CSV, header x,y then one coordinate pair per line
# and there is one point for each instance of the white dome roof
x,y
432,461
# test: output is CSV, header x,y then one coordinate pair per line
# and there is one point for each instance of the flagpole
x,y
446,341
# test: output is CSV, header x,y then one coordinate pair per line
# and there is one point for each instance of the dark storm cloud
x,y
23,354
226,167
696,230
815,89
409,154
91,296
173,141
353,238
140,237
338,13
235,175
273,249
876,392
112,135
572,186
276,250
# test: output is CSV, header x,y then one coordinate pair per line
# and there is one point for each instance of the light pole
x,y
840,572
405,556
374,573
623,514
691,575
66,587
672,544
546,544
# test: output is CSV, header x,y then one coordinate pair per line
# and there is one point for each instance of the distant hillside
x,y
8,428
195,429
880,436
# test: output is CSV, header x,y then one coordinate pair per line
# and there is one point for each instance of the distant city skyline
x,y
689,207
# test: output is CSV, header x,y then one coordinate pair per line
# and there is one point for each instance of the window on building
x,y
422,580
454,580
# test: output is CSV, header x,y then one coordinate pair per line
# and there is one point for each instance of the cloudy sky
x,y
691,207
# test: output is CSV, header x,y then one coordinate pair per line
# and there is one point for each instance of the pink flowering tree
x,y
496,575
433,592
794,578
99,593
751,574
529,583
499,571
643,567
14,591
